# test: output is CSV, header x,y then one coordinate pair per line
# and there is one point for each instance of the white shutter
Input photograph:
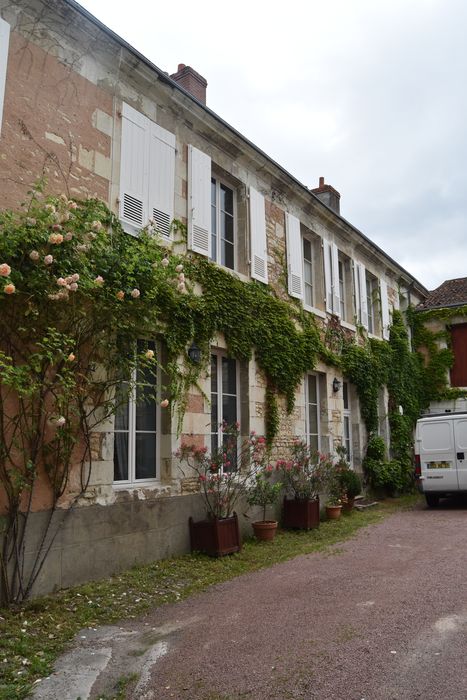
x,y
199,201
327,274
161,178
362,289
259,257
383,290
4,41
336,303
294,256
134,168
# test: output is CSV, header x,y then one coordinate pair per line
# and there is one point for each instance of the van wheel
x,y
432,500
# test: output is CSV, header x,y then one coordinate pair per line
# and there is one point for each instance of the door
x,y
437,456
460,442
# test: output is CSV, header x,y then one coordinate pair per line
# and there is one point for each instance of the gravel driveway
x,y
381,616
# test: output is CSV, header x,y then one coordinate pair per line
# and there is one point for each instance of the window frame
x,y
220,354
372,301
223,182
308,403
132,432
347,418
309,239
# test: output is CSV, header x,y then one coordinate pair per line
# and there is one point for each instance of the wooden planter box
x,y
215,537
300,514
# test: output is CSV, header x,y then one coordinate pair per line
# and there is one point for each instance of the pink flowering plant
x,y
76,292
305,475
224,473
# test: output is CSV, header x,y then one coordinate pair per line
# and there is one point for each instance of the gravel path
x,y
380,617
384,616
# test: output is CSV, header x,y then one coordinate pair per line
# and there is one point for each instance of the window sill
x,y
313,310
143,484
349,326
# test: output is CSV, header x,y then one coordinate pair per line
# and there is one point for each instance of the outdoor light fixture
x,y
194,353
336,385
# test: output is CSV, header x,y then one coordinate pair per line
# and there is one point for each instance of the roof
x,y
449,294
164,77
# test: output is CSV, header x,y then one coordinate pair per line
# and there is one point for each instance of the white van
x,y
441,455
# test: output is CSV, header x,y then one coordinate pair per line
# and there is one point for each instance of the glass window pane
x,y
308,295
146,411
313,419
312,389
226,199
314,442
228,255
306,249
121,415
145,458
227,229
120,456
229,376
213,192
308,272
214,413
213,373
229,409
345,394
214,248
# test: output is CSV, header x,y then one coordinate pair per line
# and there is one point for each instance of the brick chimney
x,y
328,195
191,81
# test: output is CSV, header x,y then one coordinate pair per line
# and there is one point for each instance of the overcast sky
x,y
371,94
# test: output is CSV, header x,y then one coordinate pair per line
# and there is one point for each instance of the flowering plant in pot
x,y
222,477
350,483
263,491
304,478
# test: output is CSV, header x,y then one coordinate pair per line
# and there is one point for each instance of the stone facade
x,y
68,79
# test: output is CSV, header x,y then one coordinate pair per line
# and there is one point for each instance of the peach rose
x,y
5,270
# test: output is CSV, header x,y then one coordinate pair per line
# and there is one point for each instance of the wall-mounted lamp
x,y
336,385
194,353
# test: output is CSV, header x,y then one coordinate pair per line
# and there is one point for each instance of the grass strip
x,y
33,635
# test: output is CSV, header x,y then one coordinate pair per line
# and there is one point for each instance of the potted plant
x,y
221,478
263,491
349,481
303,477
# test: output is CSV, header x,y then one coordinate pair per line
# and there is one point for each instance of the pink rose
x,y
164,403
62,282
73,287
48,260
5,270
56,227
34,255
75,277
99,281
179,268
164,262
135,293
68,236
9,288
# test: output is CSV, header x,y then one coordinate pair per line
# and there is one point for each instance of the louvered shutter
x,y
259,259
134,168
362,288
161,178
385,320
294,256
328,275
199,201
4,41
336,302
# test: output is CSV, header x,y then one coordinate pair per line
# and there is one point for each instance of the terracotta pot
x,y
265,530
299,513
333,512
216,536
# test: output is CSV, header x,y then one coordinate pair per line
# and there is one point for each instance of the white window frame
x,y
307,410
371,293
309,239
347,416
221,182
132,481
220,393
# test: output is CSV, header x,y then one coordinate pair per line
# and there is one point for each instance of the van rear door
x,y
437,457
460,441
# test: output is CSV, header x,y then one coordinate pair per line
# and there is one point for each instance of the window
x,y
346,291
347,424
312,412
224,395
4,41
308,275
222,224
371,301
147,173
136,430
459,349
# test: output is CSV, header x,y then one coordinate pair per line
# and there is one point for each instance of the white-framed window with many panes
x,y
137,427
372,290
347,422
308,271
224,396
223,203
312,408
